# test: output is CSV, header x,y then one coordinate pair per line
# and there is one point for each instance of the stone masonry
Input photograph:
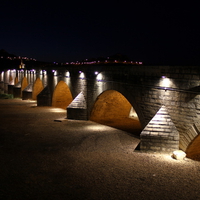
x,y
146,90
160,134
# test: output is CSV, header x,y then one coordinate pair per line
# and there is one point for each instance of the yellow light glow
x,y
58,110
97,127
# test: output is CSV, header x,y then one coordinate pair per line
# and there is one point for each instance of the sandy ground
x,y
44,156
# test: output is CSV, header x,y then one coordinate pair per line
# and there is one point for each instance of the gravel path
x,y
44,156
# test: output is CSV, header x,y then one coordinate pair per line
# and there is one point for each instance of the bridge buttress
x,y
160,134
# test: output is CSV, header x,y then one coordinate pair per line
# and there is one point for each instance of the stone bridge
x,y
159,104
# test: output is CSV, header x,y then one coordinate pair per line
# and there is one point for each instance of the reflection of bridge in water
x,y
159,103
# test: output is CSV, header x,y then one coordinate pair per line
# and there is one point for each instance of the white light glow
x,y
82,75
54,72
67,74
99,77
165,82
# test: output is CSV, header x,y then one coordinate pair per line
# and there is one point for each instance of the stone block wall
x,y
77,109
145,89
160,134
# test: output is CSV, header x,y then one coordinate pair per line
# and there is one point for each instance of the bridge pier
x,y
27,92
44,98
160,134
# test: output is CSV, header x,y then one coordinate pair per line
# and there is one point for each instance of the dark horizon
x,y
151,32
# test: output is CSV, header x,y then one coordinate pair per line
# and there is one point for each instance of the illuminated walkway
x,y
44,156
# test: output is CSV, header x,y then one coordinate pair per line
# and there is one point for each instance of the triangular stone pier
x,y
77,109
160,134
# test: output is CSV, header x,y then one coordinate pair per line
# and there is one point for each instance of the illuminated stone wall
x,y
160,134
146,88
62,96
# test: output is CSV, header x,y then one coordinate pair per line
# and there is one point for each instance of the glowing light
x,y
165,82
96,127
32,101
54,72
57,110
82,75
67,74
96,73
99,77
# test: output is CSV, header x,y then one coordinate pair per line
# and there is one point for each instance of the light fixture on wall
x,y
67,74
99,77
82,75
165,82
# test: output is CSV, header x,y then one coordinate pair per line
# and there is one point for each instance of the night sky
x,y
149,31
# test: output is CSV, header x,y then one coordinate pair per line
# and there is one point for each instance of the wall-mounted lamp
x,y
67,74
99,77
82,75
165,82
